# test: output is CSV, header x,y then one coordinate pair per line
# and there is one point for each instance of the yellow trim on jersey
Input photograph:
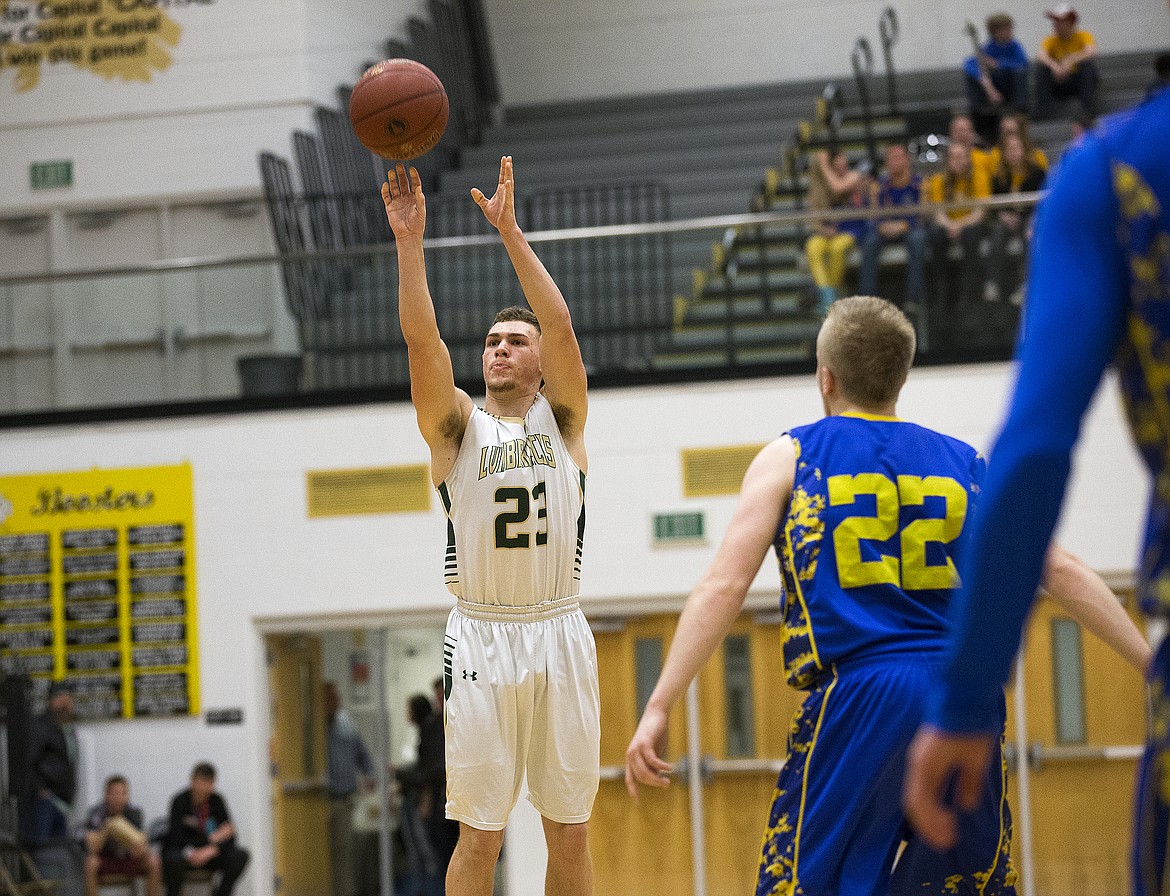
x,y
812,640
862,415
999,850
517,420
804,782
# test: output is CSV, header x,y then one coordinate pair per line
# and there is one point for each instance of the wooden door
x,y
300,796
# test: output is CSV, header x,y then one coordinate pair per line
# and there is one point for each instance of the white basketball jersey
x,y
515,505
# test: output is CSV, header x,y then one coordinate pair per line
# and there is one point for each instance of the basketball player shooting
x,y
868,515
520,663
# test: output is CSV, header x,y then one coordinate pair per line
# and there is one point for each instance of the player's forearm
x,y
1084,595
416,309
1000,575
705,620
541,291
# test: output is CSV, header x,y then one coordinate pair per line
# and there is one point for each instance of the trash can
x,y
267,375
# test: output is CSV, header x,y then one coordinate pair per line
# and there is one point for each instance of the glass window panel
x,y
737,696
647,668
1068,669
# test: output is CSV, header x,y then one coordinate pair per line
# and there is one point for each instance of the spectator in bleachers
x,y
962,131
200,834
997,77
115,843
1017,173
833,185
963,225
1015,126
1066,68
900,185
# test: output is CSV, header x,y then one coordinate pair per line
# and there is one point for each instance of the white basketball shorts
x,y
521,696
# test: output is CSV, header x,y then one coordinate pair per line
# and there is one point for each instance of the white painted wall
x,y
261,562
550,50
243,75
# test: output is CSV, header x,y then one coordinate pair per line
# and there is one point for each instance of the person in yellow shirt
x,y
1015,125
964,225
962,130
1065,64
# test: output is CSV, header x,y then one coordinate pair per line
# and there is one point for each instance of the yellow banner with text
x,y
129,40
97,587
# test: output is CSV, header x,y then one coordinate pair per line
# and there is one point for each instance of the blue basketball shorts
x,y
836,826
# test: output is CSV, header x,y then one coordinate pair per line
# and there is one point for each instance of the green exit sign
x,y
50,175
673,527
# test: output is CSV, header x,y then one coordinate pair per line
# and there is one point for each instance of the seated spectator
x,y
961,179
962,131
1015,126
997,77
201,835
1066,68
900,185
115,842
832,185
1017,173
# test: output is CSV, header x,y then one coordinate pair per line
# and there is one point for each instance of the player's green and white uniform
x,y
520,663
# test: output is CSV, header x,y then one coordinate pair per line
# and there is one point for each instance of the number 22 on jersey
x,y
908,569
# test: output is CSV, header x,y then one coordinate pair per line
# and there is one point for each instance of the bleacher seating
x,y
741,298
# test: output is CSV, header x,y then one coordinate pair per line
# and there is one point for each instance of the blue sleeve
x,y
1073,321
1015,57
971,68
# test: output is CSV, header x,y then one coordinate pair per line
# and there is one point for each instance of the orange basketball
x,y
399,109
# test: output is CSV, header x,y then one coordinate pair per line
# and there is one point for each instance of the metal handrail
x,y
715,222
861,58
888,31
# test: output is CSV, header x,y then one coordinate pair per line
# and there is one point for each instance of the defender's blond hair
x,y
868,345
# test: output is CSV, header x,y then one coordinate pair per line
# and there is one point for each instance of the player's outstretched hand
x,y
934,759
500,210
406,207
644,763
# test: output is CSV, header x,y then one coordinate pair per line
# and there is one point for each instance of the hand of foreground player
x,y
934,759
406,207
500,210
643,756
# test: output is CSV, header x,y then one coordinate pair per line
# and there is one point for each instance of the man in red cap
x,y
1066,69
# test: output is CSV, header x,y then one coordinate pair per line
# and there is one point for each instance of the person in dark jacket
x,y
431,836
53,767
201,835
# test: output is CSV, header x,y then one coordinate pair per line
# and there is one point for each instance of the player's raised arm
x,y
440,407
714,604
561,364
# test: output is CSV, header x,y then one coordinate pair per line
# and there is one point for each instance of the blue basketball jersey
x,y
870,544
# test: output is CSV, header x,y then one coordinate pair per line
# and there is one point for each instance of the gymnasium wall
x,y
210,84
262,563
563,50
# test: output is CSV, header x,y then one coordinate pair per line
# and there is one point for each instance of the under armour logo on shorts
x,y
467,675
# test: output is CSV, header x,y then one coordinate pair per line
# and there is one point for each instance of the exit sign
x,y
50,175
676,527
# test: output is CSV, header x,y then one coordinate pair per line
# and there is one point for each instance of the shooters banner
x,y
97,586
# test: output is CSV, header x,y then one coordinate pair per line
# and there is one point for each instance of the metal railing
x,y
755,316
